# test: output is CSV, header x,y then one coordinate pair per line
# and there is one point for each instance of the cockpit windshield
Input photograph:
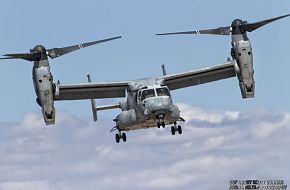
x,y
162,91
147,94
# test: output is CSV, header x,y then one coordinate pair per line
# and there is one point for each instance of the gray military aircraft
x,y
149,103
241,50
42,77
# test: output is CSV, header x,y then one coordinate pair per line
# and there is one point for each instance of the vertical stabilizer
x,y
163,69
93,103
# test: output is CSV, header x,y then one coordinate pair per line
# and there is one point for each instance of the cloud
x,y
40,185
215,147
212,117
264,129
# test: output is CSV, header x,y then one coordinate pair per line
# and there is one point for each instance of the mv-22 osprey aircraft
x,y
149,103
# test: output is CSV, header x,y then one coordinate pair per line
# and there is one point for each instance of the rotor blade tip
x,y
163,34
117,37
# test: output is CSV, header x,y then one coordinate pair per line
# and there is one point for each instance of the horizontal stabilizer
x,y
107,107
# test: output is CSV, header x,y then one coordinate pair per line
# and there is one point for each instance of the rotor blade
x,y
249,27
56,52
25,56
217,31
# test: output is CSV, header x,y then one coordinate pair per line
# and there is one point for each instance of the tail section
x,y
95,109
163,70
93,103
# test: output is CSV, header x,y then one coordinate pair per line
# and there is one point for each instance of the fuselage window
x,y
162,92
147,94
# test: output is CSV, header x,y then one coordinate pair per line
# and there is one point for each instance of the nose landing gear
x,y
160,119
175,128
159,124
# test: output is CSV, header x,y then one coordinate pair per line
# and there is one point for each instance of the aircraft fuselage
x,y
152,107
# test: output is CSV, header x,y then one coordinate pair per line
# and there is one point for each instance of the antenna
x,y
163,69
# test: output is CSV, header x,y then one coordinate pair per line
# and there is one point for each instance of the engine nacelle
x,y
126,118
245,72
45,93
48,110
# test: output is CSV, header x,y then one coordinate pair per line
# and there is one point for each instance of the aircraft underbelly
x,y
150,121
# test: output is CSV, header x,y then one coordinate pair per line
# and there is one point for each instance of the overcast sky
x,y
225,137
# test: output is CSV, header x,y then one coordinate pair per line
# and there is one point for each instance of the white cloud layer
x,y
216,146
198,114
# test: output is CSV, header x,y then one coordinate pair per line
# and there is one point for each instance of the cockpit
x,y
162,91
147,94
153,92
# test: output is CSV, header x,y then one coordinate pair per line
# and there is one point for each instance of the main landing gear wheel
x,y
124,137
117,138
179,129
172,130
176,128
120,136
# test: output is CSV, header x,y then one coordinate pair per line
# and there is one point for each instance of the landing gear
x,y
160,119
176,128
172,130
120,136
159,124
117,138
179,129
124,137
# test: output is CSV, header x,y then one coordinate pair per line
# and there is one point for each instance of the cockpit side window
x,y
162,91
147,94
138,96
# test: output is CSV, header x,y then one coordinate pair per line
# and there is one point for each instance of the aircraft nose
x,y
161,105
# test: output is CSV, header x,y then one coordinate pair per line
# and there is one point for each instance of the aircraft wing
x,y
199,76
91,90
